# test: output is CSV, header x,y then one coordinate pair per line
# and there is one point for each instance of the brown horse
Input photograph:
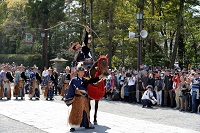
x,y
97,91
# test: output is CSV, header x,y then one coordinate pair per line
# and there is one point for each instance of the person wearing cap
x,y
5,78
148,99
35,80
77,96
49,82
20,79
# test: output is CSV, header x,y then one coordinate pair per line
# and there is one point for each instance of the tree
x,y
44,14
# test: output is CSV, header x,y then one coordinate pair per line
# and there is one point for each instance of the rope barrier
x,y
62,23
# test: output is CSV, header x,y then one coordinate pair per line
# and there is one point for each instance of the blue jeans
x,y
194,101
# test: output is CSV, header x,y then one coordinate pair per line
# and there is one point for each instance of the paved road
x,y
42,116
8,125
113,117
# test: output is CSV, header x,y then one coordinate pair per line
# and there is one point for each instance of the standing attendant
x,y
35,80
6,78
77,96
20,80
49,82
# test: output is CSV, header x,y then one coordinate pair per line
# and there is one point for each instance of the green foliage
x,y
41,14
25,59
111,20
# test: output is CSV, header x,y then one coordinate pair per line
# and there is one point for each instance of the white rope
x,y
62,23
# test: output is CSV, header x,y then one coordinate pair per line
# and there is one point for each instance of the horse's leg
x,y
95,111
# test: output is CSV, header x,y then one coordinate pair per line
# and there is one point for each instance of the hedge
x,y
25,59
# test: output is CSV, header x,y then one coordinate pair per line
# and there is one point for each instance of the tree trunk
x,y
178,33
110,36
91,26
152,30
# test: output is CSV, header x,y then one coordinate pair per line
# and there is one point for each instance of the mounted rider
x,y
83,50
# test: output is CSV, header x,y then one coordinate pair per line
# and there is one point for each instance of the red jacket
x,y
176,82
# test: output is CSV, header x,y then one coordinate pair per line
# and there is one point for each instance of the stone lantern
x,y
59,63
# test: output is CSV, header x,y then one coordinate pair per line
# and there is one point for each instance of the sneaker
x,y
72,130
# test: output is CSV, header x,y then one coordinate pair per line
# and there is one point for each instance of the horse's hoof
x,y
72,130
95,123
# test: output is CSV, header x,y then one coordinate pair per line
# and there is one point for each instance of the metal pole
x,y
43,53
139,46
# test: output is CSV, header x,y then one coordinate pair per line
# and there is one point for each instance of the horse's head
x,y
103,65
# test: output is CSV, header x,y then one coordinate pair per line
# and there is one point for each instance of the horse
x,y
97,91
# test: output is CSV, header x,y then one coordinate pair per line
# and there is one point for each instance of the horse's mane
x,y
101,58
98,72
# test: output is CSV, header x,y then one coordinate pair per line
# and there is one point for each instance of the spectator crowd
x,y
175,88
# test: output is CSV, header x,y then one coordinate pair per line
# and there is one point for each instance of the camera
x,y
128,75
